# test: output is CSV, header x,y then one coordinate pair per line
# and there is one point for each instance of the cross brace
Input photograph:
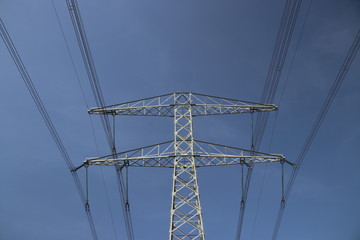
x,y
184,154
200,105
206,154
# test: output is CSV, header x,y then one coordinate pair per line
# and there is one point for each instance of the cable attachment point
x,y
71,5
242,203
77,168
282,203
282,161
242,162
87,205
127,206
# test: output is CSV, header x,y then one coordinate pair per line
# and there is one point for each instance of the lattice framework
x,y
184,154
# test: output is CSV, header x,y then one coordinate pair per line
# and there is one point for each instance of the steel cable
x,y
87,107
89,63
320,118
277,62
44,114
287,25
95,86
280,100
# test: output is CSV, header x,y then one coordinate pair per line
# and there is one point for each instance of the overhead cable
x,y
44,114
291,64
89,63
282,44
315,128
99,99
287,25
87,107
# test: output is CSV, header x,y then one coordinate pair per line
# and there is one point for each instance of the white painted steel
x,y
184,154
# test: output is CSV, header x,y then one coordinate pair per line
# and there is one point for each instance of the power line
x,y
44,114
295,52
315,128
89,63
99,99
69,53
87,107
282,44
287,25
280,100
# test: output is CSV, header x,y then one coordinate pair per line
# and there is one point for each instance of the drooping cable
x,y
123,189
69,53
295,53
282,44
89,63
243,202
245,184
95,86
279,104
103,180
44,114
87,107
320,118
263,181
287,25
125,202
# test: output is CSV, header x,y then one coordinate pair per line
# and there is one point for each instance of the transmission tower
x,y
184,154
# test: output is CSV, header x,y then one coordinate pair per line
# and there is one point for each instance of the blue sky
x,y
147,48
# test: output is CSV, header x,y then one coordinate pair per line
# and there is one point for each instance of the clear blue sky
x,y
146,48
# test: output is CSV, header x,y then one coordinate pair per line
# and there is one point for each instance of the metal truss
x,y
205,154
184,154
200,104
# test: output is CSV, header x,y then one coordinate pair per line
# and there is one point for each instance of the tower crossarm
x,y
211,154
157,155
205,154
200,104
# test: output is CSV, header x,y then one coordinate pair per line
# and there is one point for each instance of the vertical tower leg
x,y
186,218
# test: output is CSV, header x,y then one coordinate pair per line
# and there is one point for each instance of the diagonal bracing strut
x,y
184,154
206,154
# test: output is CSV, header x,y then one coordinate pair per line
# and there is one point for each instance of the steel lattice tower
x,y
184,154
186,219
